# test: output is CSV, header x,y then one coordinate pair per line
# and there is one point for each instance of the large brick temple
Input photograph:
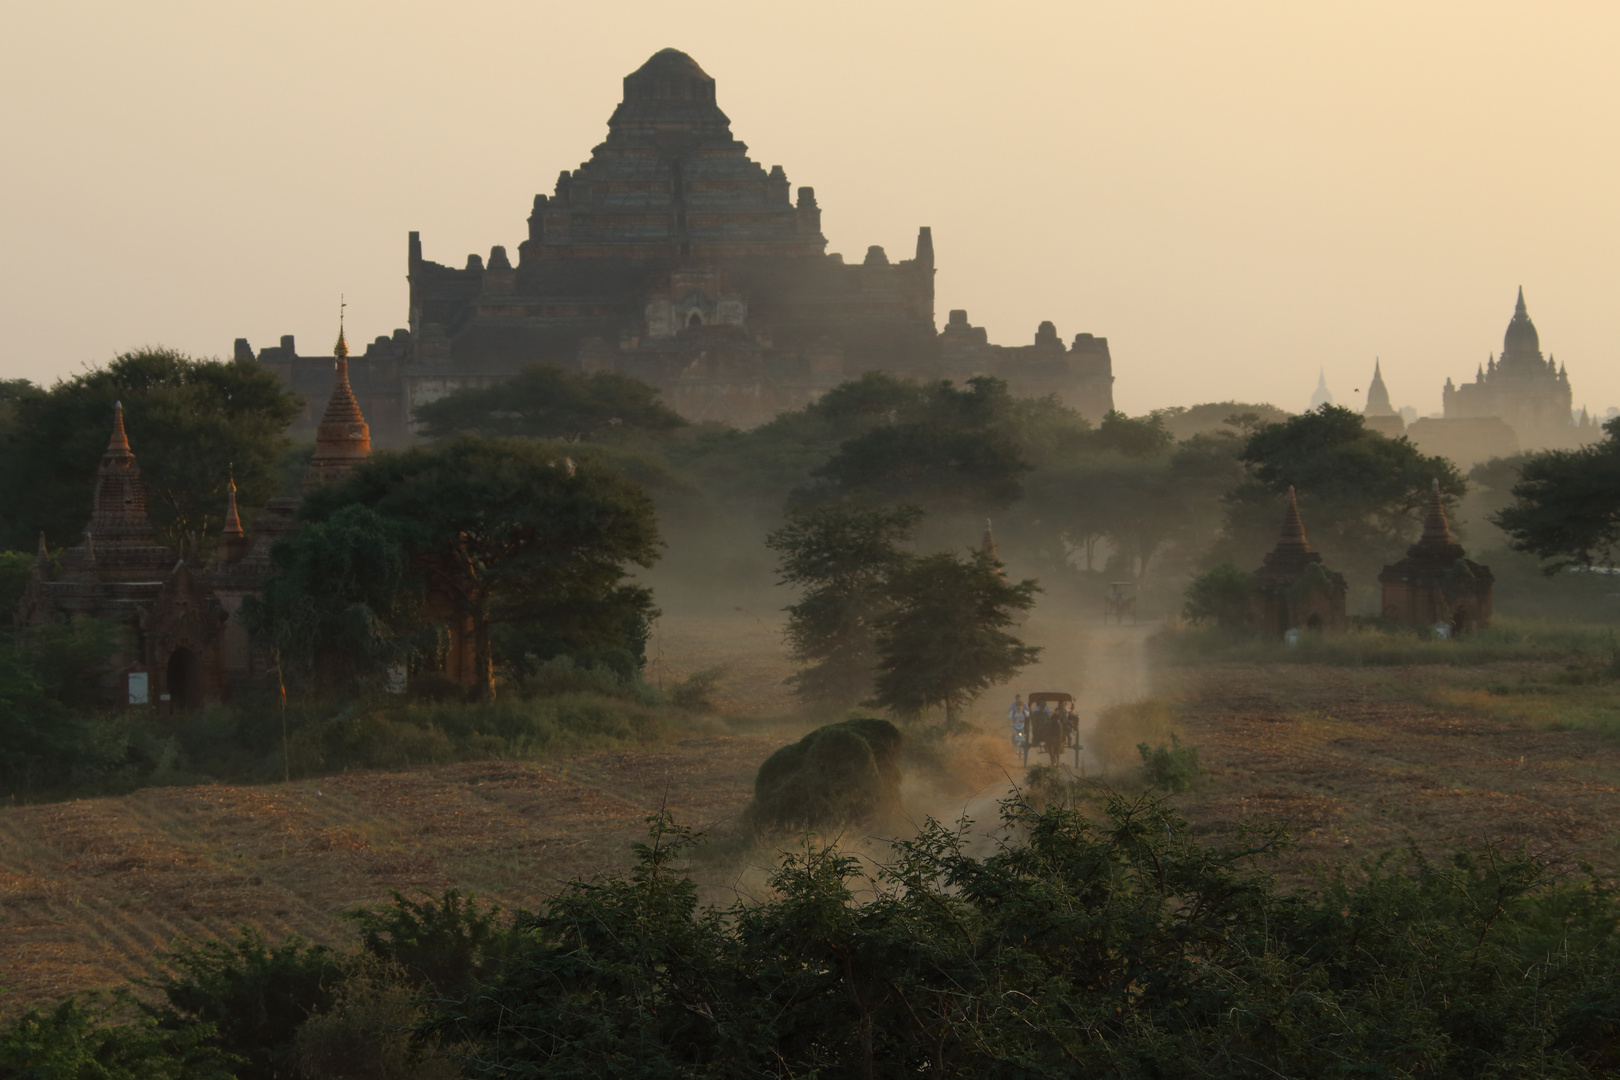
x,y
673,257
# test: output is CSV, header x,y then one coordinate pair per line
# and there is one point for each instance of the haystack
x,y
841,774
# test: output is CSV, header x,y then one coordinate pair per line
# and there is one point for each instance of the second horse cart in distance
x,y
1120,601
1052,727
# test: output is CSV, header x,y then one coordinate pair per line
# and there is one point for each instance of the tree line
x,y
519,518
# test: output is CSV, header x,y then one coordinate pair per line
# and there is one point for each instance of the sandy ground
x,y
91,891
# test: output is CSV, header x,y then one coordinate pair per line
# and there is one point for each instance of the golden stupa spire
x,y
343,438
341,349
233,521
119,441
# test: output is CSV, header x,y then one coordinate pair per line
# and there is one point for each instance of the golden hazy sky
x,y
1235,194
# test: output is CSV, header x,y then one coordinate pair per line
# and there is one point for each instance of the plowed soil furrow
x,y
91,891
1356,770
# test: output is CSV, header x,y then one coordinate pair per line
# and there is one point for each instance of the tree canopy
x,y
340,607
1566,507
511,535
189,421
842,558
945,640
1362,495
545,402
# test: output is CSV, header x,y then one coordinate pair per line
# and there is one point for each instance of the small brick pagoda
x,y
1435,584
1294,590
182,638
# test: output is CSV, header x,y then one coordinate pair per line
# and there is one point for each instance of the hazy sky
x,y
1235,194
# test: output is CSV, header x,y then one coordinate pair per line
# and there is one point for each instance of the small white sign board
x,y
137,688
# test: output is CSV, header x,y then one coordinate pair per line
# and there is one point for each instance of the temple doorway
x,y
184,679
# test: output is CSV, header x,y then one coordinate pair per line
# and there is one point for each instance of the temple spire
x,y
1292,536
341,349
233,541
1519,311
118,510
1378,394
233,521
343,439
1436,530
119,441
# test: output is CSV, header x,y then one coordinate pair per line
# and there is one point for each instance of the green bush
x,y
1172,767
442,945
1220,596
77,1041
695,693
841,773
612,676
1120,948
252,994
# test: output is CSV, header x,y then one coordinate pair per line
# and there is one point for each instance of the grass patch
x,y
1568,698
243,743
1508,640
1121,728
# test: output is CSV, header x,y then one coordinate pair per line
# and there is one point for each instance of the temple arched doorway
x,y
184,679
695,320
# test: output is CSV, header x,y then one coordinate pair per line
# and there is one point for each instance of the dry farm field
x,y
1358,759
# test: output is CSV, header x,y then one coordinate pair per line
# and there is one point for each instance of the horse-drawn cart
x,y
1120,601
1052,727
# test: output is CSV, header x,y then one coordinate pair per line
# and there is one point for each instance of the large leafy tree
x,y
945,641
1362,495
1567,505
190,422
945,449
546,402
944,469
842,559
341,606
1139,503
511,534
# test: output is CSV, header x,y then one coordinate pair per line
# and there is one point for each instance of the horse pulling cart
x,y
1120,601
1052,727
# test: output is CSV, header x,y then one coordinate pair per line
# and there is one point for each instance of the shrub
x,y
74,1041
695,693
441,944
1170,767
613,675
369,1033
254,995
841,773
1122,948
1220,596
